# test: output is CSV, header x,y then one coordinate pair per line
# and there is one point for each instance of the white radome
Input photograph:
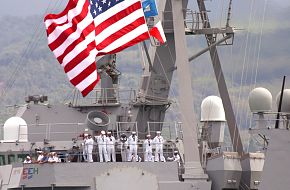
x,y
212,109
285,102
15,129
260,100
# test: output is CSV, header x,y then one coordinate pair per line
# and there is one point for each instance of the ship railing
x,y
67,131
192,21
126,128
104,96
48,131
76,154
169,130
268,120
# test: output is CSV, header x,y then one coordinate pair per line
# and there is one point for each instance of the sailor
x,y
102,145
133,146
27,160
89,144
123,144
40,156
158,141
85,148
55,157
148,148
111,147
50,158
175,158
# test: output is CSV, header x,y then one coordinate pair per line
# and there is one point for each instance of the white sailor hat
x,y
103,132
109,132
133,132
148,135
175,151
158,132
86,134
28,157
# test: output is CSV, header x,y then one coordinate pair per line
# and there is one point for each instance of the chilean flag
x,y
158,33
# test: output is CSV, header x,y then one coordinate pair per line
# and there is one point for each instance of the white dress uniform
x,y
102,145
158,141
90,145
148,150
85,149
133,146
111,148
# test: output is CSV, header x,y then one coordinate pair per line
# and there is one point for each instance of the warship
x,y
204,164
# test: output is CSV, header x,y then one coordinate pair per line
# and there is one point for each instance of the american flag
x,y
88,28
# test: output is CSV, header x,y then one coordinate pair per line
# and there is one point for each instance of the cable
x,y
19,62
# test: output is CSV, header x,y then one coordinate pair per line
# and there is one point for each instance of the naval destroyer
x,y
205,164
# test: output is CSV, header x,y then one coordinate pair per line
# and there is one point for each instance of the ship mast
x,y
211,36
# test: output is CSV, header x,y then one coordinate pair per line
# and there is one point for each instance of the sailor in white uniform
x,y
111,147
85,148
90,145
133,146
158,141
148,148
27,160
102,145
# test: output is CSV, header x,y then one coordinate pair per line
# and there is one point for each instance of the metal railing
x,y
169,130
105,96
68,131
49,131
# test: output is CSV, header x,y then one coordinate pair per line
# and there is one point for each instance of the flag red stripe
x,y
78,58
87,90
118,16
139,38
66,33
86,72
89,29
156,33
70,5
120,33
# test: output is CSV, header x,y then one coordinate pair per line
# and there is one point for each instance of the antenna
x,y
229,14
280,104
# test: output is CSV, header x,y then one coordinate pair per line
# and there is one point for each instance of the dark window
x,y
11,159
2,160
21,157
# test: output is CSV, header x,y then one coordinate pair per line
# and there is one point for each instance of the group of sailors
x,y
43,157
107,143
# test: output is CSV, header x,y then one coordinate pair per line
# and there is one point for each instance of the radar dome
x,y
212,109
285,102
15,129
260,100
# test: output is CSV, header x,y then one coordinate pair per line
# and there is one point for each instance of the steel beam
x,y
223,90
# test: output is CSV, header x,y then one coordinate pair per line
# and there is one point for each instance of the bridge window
x,y
21,157
2,160
11,159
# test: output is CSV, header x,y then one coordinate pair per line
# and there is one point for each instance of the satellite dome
x,y
15,129
285,102
212,109
260,100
